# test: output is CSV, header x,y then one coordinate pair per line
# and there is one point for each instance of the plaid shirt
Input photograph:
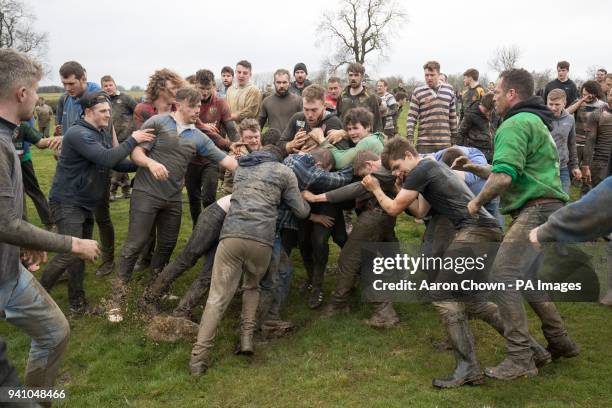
x,y
311,178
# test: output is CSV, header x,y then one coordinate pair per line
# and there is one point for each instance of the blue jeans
x,y
564,173
24,303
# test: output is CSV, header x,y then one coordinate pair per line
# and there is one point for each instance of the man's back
x,y
258,191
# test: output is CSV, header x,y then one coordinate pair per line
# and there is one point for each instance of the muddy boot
x,y
115,307
384,316
108,264
189,301
141,264
541,356
467,370
250,302
263,310
315,299
199,363
563,346
333,308
512,368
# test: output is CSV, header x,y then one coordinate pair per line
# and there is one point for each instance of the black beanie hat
x,y
300,66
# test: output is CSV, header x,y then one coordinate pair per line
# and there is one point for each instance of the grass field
x,y
331,362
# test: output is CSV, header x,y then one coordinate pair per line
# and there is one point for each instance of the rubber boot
x,y
250,302
467,370
563,346
199,363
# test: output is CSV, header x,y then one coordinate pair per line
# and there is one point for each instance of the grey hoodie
x,y
564,133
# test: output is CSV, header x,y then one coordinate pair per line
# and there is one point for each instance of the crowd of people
x,y
330,164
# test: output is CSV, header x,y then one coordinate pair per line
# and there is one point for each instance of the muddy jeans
x,y
105,226
466,242
146,213
517,259
234,255
25,304
76,222
32,189
201,182
120,180
203,240
314,248
371,226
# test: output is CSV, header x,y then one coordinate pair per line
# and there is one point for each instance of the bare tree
x,y
359,28
541,78
505,58
17,29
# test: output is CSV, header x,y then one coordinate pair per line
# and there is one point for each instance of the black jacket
x,y
85,163
475,131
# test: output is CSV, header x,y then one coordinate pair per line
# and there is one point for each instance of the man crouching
x,y
245,244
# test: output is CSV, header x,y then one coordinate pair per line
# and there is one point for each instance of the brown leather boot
x,y
384,316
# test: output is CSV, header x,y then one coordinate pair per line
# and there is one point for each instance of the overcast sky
x,y
130,39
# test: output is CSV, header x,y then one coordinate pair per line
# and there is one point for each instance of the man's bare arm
x,y
463,163
496,184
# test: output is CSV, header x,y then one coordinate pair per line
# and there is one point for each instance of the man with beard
x,y
525,173
214,120
227,78
156,199
279,107
313,116
356,95
300,73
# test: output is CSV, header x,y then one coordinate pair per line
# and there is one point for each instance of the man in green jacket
x,y
525,173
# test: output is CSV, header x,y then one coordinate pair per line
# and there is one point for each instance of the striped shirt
x,y
436,115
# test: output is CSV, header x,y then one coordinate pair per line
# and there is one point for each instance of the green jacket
x,y
344,158
526,151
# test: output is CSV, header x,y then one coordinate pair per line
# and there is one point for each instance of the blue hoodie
x,y
69,109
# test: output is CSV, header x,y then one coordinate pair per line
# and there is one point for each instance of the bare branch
x,y
359,28
17,29
505,58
